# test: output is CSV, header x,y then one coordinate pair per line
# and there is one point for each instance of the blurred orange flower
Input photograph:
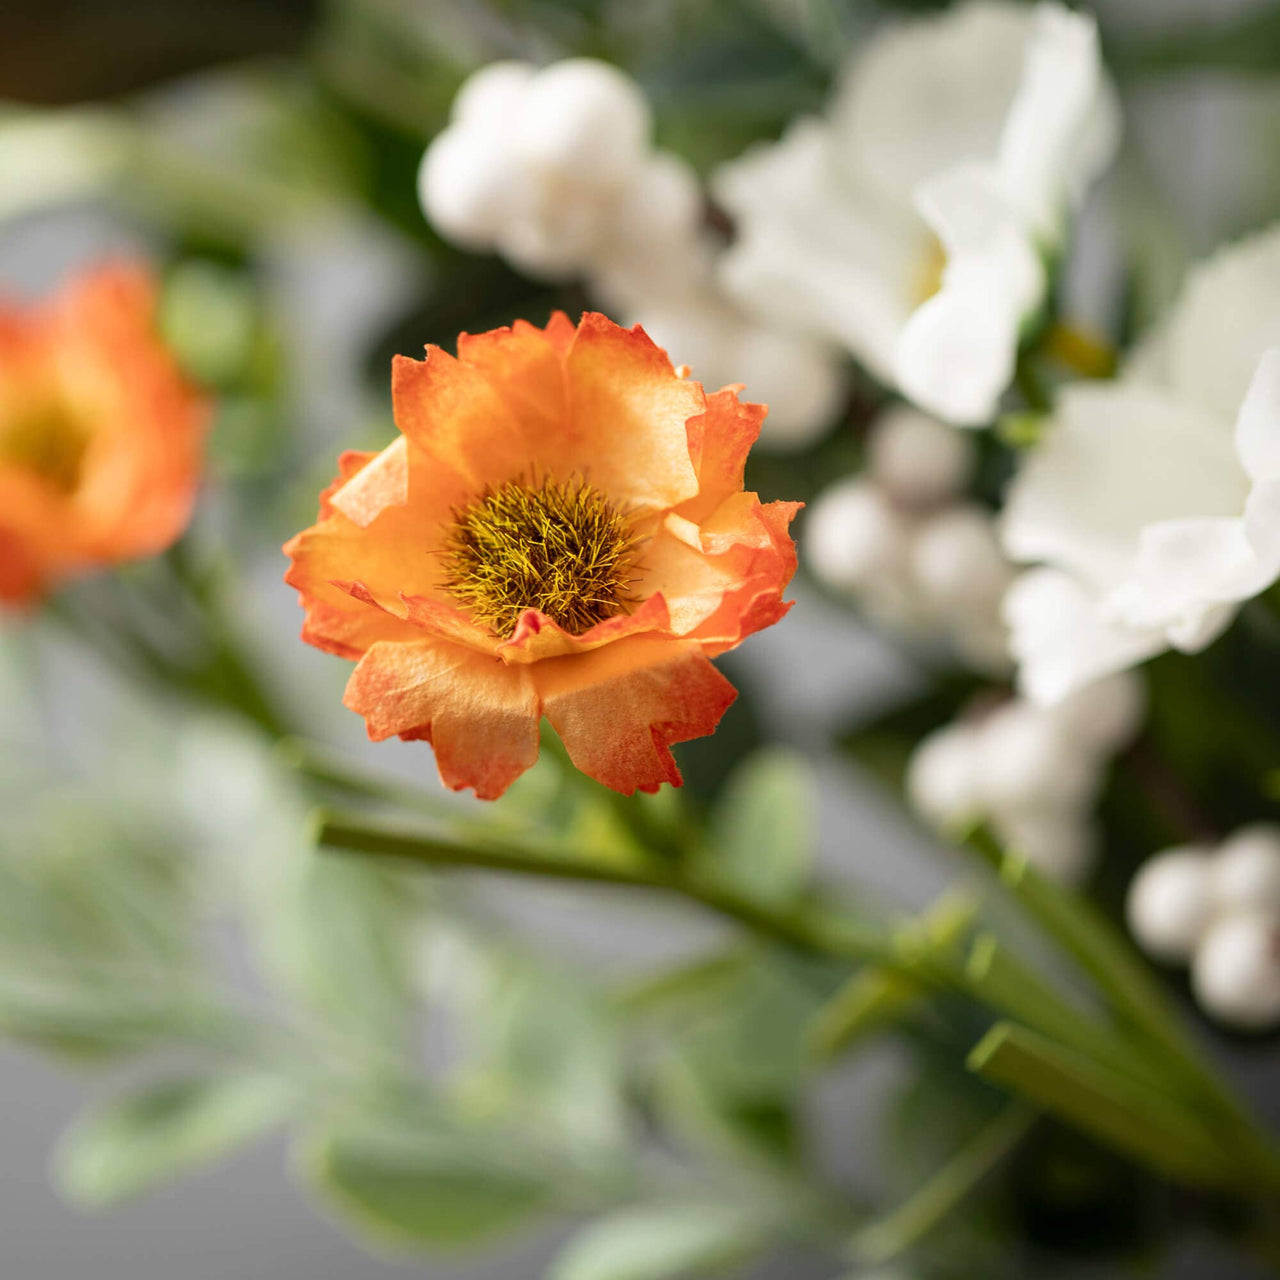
x,y
559,530
99,435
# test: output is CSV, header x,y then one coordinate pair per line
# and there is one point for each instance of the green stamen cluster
x,y
563,549
49,443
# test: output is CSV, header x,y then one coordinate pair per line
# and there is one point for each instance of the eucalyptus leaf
x,y
662,1242
164,1130
421,1194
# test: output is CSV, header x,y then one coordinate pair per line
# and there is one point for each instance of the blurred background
x,y
264,157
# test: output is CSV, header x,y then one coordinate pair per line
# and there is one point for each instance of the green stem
x,y
801,927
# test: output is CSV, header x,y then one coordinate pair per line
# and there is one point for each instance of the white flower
x,y
912,222
1154,502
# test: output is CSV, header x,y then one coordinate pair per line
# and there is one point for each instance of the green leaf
x,y
1170,1138
762,828
426,1193
662,1242
151,1136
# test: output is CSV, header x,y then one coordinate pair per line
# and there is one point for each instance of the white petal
x,y
1059,134
816,252
1208,349
957,352
1258,423
1062,638
931,94
1119,457
1184,568
1199,631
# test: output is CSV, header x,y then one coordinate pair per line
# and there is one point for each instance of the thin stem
x,y
802,928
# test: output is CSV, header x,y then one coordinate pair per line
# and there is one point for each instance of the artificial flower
x,y
100,436
560,529
1153,504
916,222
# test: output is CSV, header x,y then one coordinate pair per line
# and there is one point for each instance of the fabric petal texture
x,y
580,434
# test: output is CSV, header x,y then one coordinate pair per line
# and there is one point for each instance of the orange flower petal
x,y
536,636
453,413
719,441
618,709
526,370
480,716
629,414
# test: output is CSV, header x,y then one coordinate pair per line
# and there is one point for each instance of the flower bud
x,y
1236,970
1170,903
853,536
941,782
1246,872
583,118
921,461
957,561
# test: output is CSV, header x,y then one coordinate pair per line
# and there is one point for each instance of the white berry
x,y
1028,763
941,776
1106,714
852,536
1246,872
957,561
920,460
1061,843
800,379
492,97
1170,903
467,184
583,118
1236,970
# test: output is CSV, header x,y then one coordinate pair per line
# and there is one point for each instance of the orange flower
x,y
99,435
559,530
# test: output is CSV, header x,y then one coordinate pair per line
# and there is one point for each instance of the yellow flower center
x,y
47,441
563,549
926,278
